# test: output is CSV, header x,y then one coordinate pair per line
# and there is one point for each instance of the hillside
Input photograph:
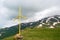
x,y
39,34
10,31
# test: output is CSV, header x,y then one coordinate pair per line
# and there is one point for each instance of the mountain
x,y
52,19
5,32
50,22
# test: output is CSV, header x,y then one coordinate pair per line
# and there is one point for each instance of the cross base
x,y
18,37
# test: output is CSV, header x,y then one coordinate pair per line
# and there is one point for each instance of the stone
x,y
18,37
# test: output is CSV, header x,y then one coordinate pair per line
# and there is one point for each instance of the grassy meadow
x,y
39,34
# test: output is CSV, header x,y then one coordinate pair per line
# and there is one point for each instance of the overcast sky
x,y
33,9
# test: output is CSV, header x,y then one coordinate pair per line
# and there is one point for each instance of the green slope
x,y
39,34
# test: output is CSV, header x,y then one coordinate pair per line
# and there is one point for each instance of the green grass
x,y
39,34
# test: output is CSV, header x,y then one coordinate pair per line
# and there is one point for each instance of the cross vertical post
x,y
19,17
19,20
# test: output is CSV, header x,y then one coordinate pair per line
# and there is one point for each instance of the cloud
x,y
5,13
45,13
31,6
33,9
10,23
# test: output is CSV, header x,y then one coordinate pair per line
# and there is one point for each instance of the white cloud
x,y
39,9
45,13
10,23
5,13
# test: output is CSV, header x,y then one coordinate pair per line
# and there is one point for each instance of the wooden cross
x,y
19,17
